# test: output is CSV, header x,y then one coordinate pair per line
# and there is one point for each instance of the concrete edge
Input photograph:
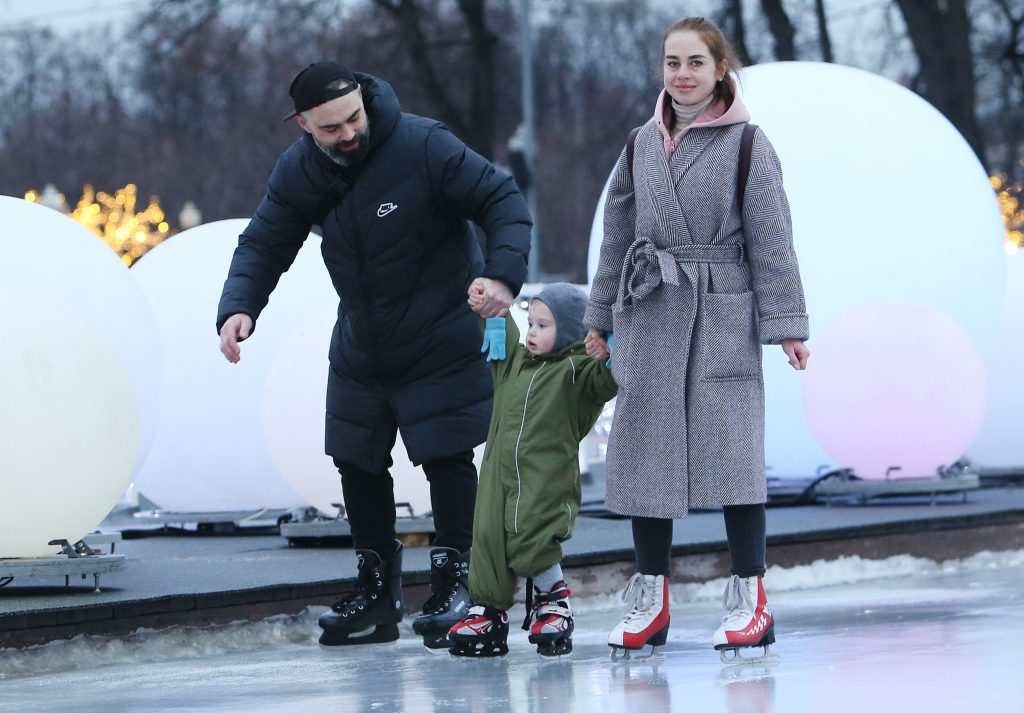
x,y
591,573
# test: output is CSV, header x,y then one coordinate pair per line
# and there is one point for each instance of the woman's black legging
x,y
744,528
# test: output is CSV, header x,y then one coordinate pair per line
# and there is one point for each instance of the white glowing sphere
x,y
895,384
888,203
999,444
77,376
70,425
60,262
210,454
293,423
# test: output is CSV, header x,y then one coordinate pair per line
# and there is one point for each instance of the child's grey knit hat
x,y
567,304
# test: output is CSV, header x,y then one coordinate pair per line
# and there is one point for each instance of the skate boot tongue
x,y
368,559
449,598
738,601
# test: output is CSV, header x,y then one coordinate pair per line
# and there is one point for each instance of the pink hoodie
x,y
715,115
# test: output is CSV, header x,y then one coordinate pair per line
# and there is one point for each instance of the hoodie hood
x,y
717,114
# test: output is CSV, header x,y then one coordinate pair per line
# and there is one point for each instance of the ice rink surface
x,y
901,635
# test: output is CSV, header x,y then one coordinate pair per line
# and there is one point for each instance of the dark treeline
x,y
186,101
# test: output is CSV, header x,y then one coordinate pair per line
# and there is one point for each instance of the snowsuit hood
x,y
567,304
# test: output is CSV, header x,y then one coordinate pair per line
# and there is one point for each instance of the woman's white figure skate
x,y
647,620
747,622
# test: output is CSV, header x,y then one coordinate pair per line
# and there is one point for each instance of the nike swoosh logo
x,y
386,208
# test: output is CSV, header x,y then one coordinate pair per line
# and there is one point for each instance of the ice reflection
x,y
935,642
643,685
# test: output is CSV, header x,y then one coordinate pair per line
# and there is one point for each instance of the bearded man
x,y
394,195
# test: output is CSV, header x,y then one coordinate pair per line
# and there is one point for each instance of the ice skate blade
x,y
462,649
437,642
556,650
473,653
621,653
732,655
381,634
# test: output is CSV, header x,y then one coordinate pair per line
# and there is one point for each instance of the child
x,y
547,396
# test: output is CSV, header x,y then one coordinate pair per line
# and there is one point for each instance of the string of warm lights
x,y
1011,205
114,219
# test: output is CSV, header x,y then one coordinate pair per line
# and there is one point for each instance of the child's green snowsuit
x,y
529,490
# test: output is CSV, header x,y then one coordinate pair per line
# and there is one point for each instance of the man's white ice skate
x,y
647,619
747,623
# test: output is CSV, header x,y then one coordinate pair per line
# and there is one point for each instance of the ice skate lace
x,y
738,605
367,591
447,583
639,597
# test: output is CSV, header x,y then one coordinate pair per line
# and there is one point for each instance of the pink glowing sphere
x,y
894,383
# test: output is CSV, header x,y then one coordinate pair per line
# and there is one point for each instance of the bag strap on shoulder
x,y
746,148
631,148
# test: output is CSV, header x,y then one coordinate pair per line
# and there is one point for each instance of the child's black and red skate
x,y
449,599
483,633
646,622
549,621
747,623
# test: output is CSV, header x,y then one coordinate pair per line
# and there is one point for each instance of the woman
x,y
693,278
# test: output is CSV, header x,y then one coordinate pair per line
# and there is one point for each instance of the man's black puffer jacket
x,y
396,240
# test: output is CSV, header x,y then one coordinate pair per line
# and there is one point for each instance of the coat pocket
x,y
731,350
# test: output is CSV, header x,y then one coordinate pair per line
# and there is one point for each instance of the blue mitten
x,y
494,339
611,345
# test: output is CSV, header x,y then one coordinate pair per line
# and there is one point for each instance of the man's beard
x,y
352,157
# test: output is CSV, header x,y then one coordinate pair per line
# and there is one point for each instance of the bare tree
x,y
475,126
824,41
999,28
940,31
735,28
781,28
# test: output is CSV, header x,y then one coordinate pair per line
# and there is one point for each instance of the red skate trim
x,y
640,639
759,623
753,632
554,623
477,625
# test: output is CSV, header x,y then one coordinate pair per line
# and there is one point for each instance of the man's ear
x,y
303,124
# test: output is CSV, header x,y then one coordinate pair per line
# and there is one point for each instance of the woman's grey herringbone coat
x,y
692,285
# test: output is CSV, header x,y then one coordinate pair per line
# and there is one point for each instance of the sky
x,y
65,16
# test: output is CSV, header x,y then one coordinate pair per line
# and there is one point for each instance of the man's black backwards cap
x,y
310,86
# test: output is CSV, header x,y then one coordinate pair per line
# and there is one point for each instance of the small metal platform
x,y
221,522
413,530
98,539
78,560
1001,477
864,490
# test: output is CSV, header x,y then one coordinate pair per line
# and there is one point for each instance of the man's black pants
x,y
370,503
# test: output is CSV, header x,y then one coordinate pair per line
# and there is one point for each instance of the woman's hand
x,y
796,351
597,345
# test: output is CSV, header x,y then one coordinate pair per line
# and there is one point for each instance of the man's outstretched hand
x,y
236,329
